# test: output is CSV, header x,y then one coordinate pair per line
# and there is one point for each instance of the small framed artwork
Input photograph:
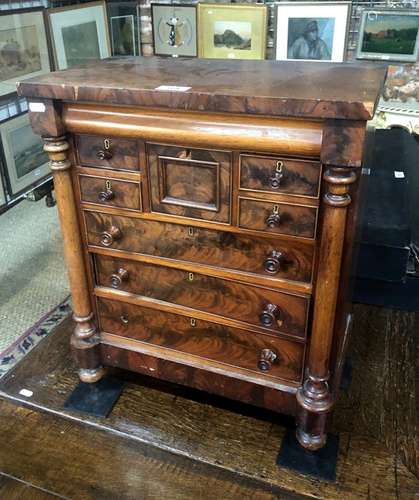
x,y
232,31
24,50
79,34
123,28
25,161
390,35
174,30
312,31
2,194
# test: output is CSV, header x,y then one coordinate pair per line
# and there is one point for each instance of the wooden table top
x,y
280,88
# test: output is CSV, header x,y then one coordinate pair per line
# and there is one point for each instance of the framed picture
x,y
24,158
232,31
312,31
389,35
2,193
174,29
123,28
23,47
79,34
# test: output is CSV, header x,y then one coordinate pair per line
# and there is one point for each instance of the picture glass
x,y
232,31
123,27
311,31
79,33
25,159
388,33
23,49
174,30
310,38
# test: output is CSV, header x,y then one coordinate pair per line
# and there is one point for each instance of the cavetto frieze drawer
x,y
236,252
280,175
110,192
187,182
263,354
277,218
275,311
107,152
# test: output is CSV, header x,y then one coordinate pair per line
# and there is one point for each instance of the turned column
x,y
314,398
85,340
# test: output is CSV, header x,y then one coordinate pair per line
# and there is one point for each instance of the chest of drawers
x,y
208,211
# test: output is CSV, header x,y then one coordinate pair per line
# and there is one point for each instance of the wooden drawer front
x,y
278,218
280,175
117,153
192,183
273,310
202,246
110,192
232,346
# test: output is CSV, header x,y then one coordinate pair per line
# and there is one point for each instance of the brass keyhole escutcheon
x,y
193,322
279,165
190,231
107,144
275,209
108,184
190,276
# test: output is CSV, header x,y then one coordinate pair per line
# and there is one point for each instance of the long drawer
x,y
258,353
259,256
268,309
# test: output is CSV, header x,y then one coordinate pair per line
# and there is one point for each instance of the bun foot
x,y
91,375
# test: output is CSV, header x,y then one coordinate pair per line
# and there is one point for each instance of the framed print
x,y
79,34
232,31
23,47
23,152
2,193
174,29
123,28
389,35
312,31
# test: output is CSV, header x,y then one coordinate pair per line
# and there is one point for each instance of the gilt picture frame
x,y
232,31
312,31
79,34
24,47
174,29
25,161
389,35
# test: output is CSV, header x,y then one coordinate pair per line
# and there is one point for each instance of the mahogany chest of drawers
x,y
208,211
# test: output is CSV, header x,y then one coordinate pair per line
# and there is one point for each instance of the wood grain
x,y
230,346
124,194
201,246
218,296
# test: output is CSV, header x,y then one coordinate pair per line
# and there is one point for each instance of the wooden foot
x,y
91,375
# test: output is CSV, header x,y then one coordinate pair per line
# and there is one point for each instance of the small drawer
x,y
263,354
189,182
270,310
110,192
278,218
236,252
280,175
107,152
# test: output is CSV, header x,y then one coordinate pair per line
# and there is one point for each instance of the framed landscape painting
x,y
312,31
123,28
23,153
232,31
23,47
389,35
174,30
79,34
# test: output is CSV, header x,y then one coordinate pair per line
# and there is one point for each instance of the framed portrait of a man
x,y
312,31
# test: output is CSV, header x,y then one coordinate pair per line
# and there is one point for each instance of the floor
x,y
165,441
31,265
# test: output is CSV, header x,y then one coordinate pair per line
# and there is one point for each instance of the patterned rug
x,y
33,336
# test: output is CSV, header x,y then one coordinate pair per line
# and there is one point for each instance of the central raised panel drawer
x,y
267,309
231,346
238,252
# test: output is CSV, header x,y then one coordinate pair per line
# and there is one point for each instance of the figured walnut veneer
x,y
208,229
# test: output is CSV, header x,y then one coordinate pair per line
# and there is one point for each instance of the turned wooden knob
x,y
106,195
273,220
104,154
267,358
108,237
273,262
118,277
270,314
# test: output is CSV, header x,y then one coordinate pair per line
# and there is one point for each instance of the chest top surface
x,y
299,89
